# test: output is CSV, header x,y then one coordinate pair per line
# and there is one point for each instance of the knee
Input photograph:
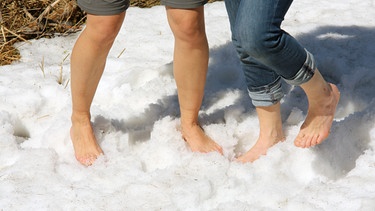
x,y
104,35
258,43
188,28
103,32
189,31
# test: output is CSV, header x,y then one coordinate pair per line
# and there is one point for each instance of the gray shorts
x,y
184,4
114,7
103,7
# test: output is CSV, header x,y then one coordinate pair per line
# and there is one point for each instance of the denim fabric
x,y
267,53
305,73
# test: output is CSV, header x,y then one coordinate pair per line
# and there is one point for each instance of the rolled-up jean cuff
x,y
267,95
305,73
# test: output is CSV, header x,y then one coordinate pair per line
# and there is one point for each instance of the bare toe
x,y
318,122
85,144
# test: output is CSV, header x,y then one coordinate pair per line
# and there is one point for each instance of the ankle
x,y
81,118
190,129
272,135
189,122
323,98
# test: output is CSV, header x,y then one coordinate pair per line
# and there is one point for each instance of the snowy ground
x,y
147,165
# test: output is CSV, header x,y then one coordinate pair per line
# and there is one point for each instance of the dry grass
x,y
22,20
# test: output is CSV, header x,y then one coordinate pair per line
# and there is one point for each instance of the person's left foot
x,y
260,148
318,122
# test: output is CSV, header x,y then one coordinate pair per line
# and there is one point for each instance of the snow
x,y
147,165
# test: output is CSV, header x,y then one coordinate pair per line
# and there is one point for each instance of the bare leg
x,y
87,65
190,65
323,98
271,132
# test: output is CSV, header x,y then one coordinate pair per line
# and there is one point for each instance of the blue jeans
x,y
267,53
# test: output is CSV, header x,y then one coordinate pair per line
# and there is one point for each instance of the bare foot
x,y
260,148
84,142
271,132
198,140
318,122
